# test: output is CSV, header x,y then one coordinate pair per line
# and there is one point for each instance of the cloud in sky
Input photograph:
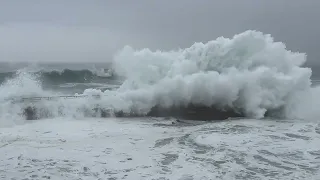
x,y
93,30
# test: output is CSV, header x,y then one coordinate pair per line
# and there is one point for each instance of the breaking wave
x,y
65,76
248,75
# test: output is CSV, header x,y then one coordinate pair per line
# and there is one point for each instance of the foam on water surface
x,y
160,149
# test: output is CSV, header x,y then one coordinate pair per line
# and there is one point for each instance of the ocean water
x,y
238,108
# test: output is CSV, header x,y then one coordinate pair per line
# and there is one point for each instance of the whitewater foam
x,y
249,73
156,149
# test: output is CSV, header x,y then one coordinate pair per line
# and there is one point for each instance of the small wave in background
x,y
69,81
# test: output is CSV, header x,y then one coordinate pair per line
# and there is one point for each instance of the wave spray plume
x,y
249,74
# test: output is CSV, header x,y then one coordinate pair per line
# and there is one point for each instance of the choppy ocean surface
x,y
272,133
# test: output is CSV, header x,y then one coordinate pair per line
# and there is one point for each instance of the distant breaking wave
x,y
65,76
249,75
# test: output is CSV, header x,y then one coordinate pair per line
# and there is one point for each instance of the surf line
x,y
189,112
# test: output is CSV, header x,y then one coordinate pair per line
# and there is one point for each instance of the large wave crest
x,y
250,74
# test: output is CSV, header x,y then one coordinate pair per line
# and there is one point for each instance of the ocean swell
x,y
65,75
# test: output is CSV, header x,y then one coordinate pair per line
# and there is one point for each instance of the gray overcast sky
x,y
83,30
